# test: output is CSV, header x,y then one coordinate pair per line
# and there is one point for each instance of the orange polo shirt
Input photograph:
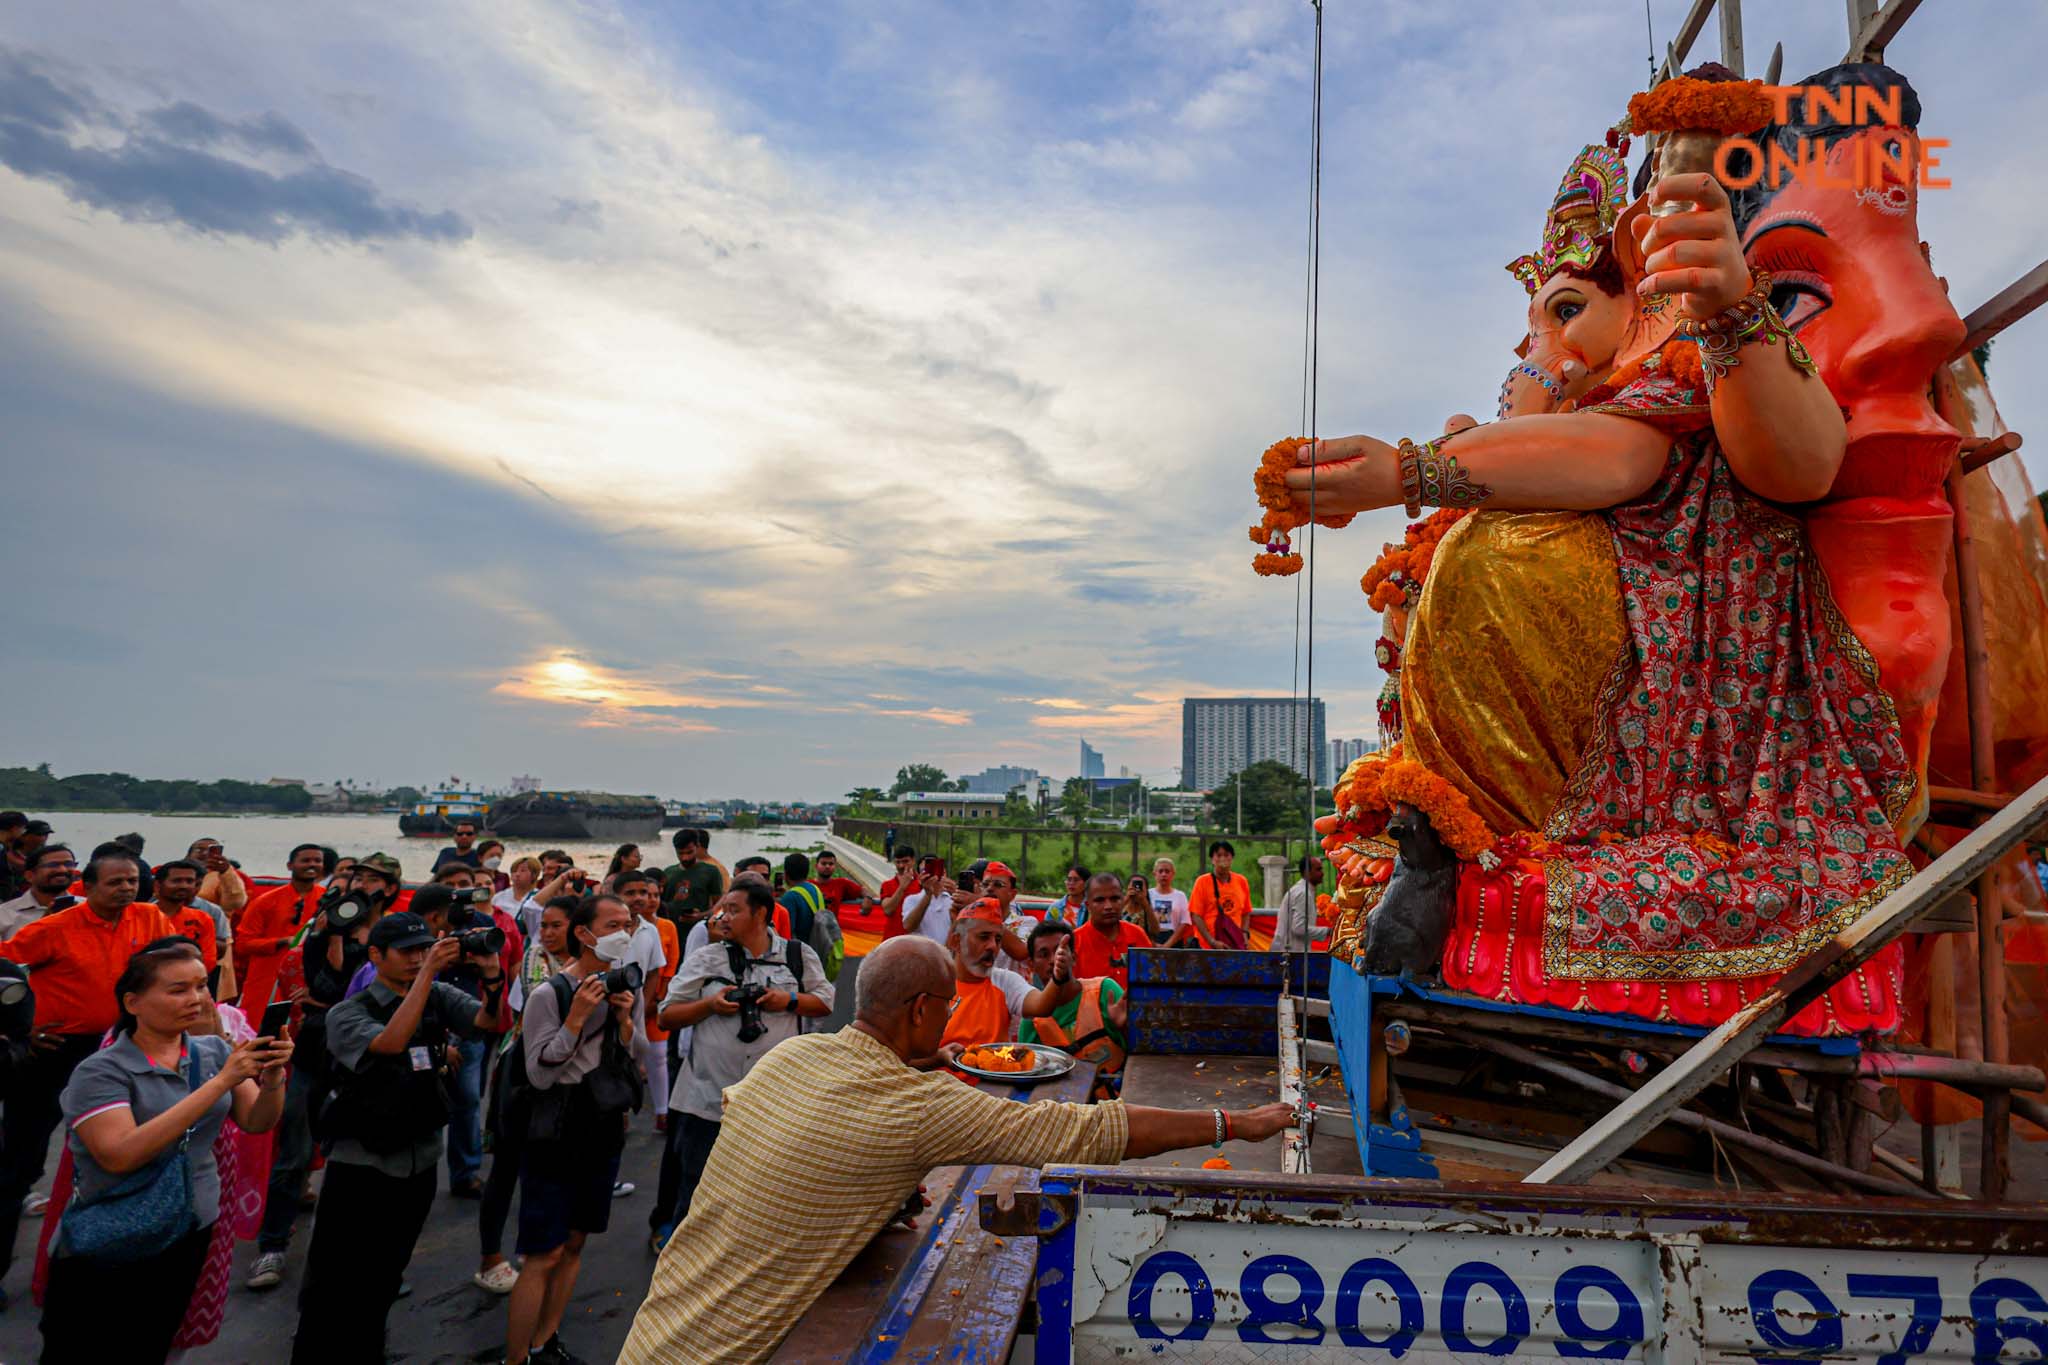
x,y
274,915
74,958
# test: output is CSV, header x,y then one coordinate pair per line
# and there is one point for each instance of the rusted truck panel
x,y
1219,1266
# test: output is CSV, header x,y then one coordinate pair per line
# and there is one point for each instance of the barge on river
x,y
604,817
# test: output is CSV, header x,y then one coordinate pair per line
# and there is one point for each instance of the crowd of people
x,y
207,1044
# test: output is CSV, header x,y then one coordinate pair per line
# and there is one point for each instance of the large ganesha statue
x,y
1667,689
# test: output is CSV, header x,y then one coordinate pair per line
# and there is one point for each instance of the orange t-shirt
x,y
197,924
74,958
274,915
1098,954
671,953
1235,901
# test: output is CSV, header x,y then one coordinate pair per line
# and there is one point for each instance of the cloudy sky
x,y
748,398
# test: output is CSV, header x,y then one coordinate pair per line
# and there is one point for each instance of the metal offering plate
x,y
1047,1064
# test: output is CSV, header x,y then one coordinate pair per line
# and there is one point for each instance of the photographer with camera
x,y
383,1125
453,903
743,996
577,1038
316,975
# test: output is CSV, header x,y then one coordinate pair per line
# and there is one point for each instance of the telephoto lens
x,y
489,939
626,978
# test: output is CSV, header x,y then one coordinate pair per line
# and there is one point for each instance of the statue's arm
x,y
1581,461
1780,428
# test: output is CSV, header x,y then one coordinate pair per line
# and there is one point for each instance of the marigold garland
x,y
1685,103
1396,577
1269,481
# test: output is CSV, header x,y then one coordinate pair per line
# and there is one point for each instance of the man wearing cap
x,y
988,1000
999,884
383,1124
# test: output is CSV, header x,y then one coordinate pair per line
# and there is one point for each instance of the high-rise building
x,y
1220,736
1091,761
1345,752
998,781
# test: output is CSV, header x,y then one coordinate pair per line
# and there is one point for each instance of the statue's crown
x,y
1580,223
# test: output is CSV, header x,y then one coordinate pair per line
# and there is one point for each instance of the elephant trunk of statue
x,y
1408,929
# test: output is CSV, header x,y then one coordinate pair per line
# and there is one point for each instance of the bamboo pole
x,y
1983,777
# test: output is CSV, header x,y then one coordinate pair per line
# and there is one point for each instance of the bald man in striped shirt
x,y
748,1262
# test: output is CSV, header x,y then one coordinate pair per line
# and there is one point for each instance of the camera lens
x,y
490,939
626,978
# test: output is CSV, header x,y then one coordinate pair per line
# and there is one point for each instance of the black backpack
x,y
614,1086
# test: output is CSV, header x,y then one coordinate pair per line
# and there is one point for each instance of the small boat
x,y
674,815
438,814
604,817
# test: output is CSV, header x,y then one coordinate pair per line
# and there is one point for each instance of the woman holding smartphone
x,y
126,1109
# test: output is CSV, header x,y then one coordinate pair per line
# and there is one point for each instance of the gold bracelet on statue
x,y
1749,318
1431,478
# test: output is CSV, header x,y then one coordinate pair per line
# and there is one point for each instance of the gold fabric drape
x,y
1519,623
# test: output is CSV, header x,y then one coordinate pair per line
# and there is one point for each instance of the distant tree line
x,y
38,789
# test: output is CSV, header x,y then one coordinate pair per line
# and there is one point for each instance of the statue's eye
x,y
1800,301
1567,311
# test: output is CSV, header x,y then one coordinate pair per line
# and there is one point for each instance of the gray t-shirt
x,y
351,1028
121,1077
717,1056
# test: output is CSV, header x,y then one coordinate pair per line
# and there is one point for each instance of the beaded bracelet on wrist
x,y
1749,318
1535,372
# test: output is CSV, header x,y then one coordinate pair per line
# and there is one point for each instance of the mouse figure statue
x,y
1406,932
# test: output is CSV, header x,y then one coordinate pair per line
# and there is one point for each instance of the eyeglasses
x,y
952,1001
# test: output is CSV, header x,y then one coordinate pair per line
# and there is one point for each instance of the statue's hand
x,y
1352,474
1695,253
1459,421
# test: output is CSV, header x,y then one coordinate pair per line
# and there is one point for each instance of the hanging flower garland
x,y
1375,784
1273,532
1395,578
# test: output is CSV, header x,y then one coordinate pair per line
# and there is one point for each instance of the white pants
x,y
653,1055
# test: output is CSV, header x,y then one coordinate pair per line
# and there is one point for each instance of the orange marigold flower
x,y
1684,103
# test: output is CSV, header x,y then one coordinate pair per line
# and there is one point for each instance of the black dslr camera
x,y
626,978
345,907
748,998
462,920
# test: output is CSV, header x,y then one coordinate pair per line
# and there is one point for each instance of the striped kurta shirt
x,y
822,1142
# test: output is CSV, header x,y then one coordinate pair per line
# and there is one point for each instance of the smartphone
x,y
276,1015
931,867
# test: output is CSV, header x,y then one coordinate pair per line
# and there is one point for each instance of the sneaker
x,y
35,1204
268,1272
553,1352
622,1188
499,1279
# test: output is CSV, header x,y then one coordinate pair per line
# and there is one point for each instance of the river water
x,y
260,843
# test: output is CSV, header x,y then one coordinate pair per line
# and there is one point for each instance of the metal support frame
x,y
1616,1131
1294,1141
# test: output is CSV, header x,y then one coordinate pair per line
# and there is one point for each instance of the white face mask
x,y
491,864
614,946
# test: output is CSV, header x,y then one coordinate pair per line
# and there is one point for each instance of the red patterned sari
x,y
1734,808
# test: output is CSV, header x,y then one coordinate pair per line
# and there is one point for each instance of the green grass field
x,y
1040,856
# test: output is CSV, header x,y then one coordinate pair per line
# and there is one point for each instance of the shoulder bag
x,y
144,1215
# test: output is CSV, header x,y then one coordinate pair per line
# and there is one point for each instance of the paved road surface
x,y
446,1318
